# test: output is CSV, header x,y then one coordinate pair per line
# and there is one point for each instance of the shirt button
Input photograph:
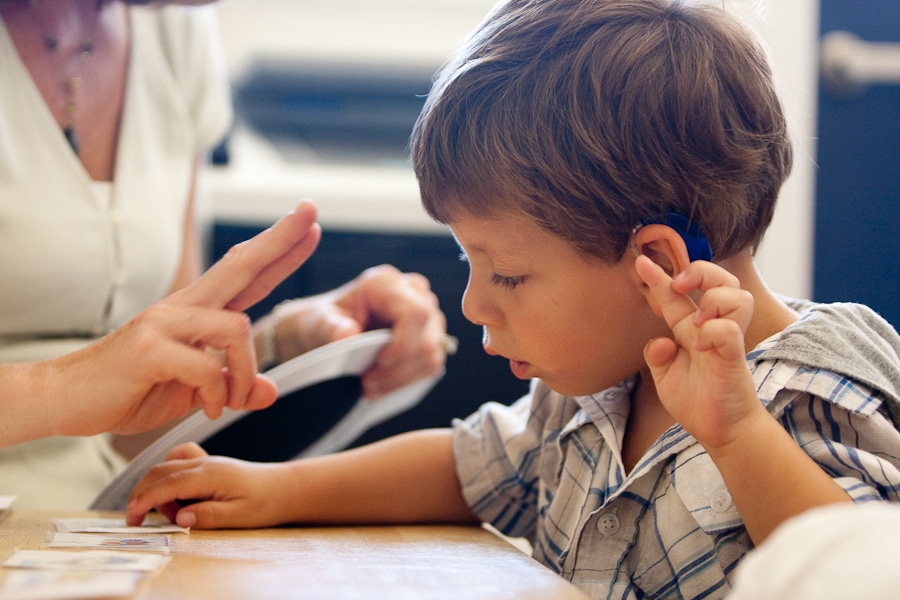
x,y
615,396
720,501
608,524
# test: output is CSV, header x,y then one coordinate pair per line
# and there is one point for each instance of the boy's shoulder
x,y
849,340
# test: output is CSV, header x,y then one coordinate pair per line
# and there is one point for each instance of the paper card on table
x,y
88,560
67,585
146,543
115,526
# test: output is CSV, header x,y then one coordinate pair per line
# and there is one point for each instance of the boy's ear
x,y
664,246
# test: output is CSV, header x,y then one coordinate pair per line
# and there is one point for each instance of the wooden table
x,y
337,563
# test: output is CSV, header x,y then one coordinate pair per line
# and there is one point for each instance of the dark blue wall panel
x,y
857,228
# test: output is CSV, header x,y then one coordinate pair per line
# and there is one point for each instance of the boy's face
x,y
576,322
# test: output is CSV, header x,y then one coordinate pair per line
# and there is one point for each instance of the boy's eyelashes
x,y
499,280
507,282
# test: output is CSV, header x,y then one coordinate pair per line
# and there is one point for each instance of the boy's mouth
x,y
520,368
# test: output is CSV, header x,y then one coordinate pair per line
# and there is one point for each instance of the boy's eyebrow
x,y
477,248
508,249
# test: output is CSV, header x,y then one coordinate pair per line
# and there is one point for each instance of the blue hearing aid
x,y
696,243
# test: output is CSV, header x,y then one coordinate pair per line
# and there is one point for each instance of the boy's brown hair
x,y
589,115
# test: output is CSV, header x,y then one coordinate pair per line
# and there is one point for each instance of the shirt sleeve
x,y
497,451
858,449
193,46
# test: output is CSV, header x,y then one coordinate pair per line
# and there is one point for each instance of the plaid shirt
x,y
549,468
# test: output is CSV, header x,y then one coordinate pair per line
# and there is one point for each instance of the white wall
x,y
398,31
427,31
790,28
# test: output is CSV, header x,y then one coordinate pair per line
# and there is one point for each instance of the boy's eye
x,y
507,282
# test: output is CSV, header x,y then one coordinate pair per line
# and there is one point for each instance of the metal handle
x,y
850,64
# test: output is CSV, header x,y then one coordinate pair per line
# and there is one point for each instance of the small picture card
x,y
88,560
146,543
67,585
115,526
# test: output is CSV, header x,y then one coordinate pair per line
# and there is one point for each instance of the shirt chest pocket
x,y
702,491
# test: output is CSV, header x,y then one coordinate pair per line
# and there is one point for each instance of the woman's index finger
x,y
251,269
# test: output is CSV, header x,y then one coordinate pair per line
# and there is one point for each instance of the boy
x,y
585,153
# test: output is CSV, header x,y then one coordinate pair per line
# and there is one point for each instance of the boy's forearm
x,y
409,478
771,479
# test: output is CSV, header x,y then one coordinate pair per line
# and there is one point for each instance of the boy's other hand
x,y
701,375
194,489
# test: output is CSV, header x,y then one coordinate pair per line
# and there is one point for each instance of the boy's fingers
x,y
721,294
659,354
251,269
704,276
675,305
720,335
209,514
717,293
161,486
726,303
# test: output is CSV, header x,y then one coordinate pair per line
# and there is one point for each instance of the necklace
x,y
69,55
73,85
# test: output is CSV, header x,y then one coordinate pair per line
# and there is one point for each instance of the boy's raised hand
x,y
701,376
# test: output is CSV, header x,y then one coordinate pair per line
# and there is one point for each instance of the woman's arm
x,y
155,367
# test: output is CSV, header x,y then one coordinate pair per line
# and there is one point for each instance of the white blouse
x,y
80,259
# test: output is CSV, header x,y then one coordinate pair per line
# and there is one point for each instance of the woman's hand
x,y
193,349
379,297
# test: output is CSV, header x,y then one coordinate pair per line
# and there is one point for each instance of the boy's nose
x,y
477,308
